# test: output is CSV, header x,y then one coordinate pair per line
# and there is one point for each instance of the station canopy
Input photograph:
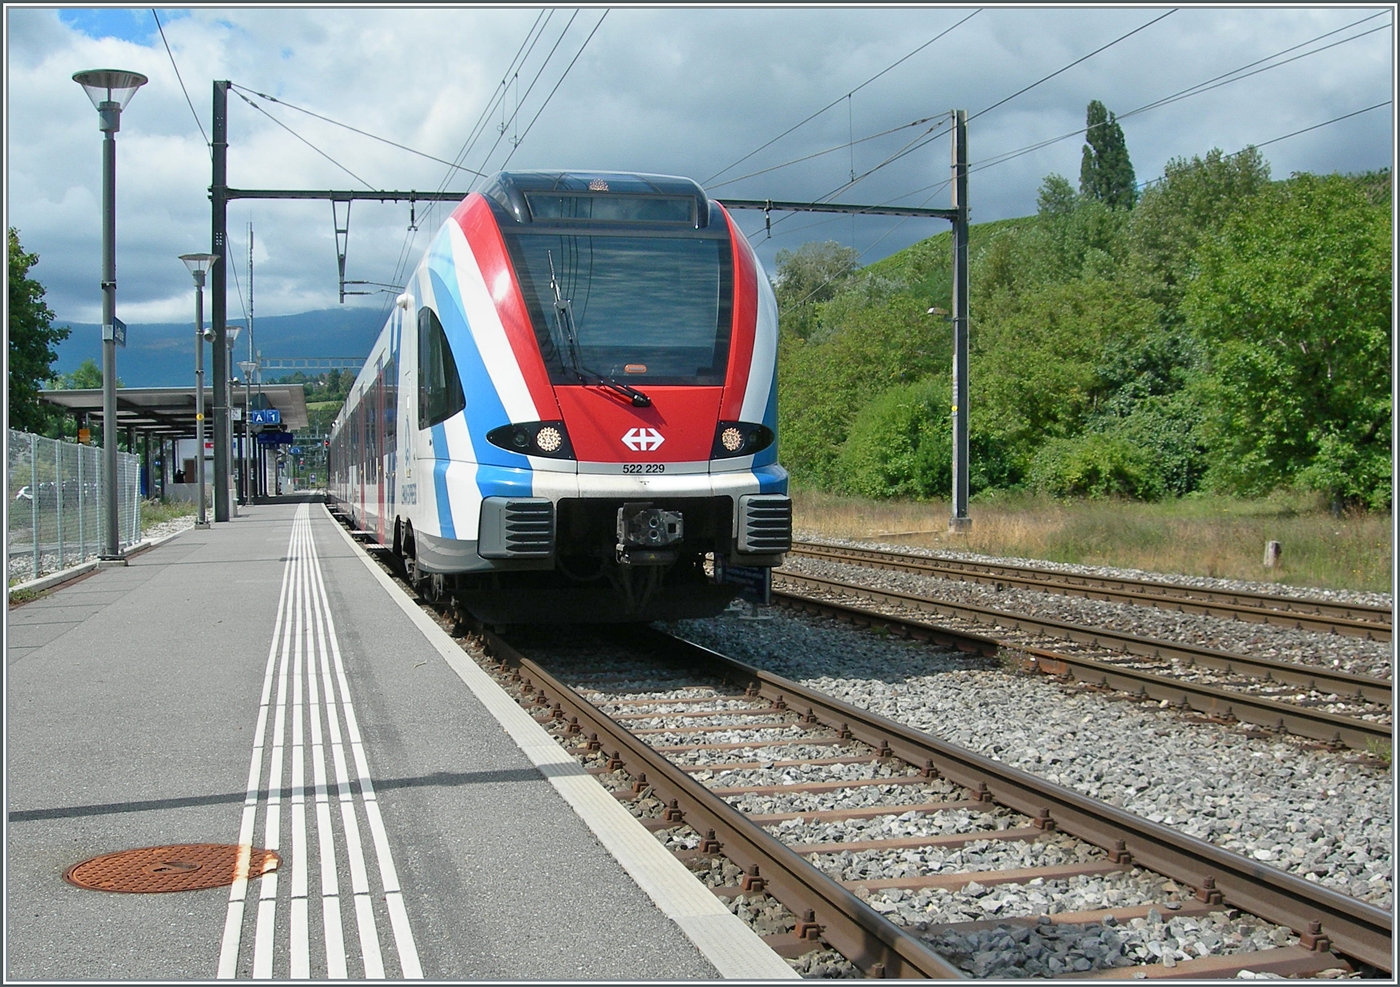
x,y
169,412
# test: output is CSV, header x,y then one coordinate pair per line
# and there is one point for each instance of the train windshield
x,y
641,310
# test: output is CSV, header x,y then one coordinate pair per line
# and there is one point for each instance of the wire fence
x,y
56,497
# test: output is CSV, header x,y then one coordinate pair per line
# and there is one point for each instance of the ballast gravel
x,y
1346,596
1324,816
1027,940
1357,656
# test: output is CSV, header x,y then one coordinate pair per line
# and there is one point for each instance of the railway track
x,y
1269,693
879,841
1357,620
1162,919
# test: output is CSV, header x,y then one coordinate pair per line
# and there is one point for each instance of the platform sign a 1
x,y
755,582
265,416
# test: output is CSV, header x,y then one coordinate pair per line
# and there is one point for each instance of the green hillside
x,y
1228,333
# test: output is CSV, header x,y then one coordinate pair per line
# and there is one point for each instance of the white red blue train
x,y
571,414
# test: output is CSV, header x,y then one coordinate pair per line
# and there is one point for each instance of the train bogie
x,y
572,410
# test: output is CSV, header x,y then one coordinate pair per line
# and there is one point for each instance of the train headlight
x,y
740,439
549,439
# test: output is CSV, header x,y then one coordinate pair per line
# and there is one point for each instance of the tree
x,y
1105,172
88,376
1190,204
33,337
1056,197
1293,304
809,275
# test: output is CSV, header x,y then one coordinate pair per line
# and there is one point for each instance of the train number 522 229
x,y
644,467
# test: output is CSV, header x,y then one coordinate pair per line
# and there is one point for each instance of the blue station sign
x,y
265,416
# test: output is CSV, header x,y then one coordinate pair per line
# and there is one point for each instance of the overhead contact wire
x,y
306,142
838,99
356,130
180,79
920,143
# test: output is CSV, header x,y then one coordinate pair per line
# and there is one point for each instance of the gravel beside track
x,y
1325,816
1110,572
1354,655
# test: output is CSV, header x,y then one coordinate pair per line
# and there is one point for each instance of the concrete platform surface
x,y
259,682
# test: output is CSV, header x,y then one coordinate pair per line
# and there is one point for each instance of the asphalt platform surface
x,y
132,713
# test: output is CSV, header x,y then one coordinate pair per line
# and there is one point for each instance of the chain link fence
x,y
56,504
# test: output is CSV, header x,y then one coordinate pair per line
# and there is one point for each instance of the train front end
x,y
611,341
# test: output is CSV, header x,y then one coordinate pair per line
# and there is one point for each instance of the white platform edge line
x,y
731,946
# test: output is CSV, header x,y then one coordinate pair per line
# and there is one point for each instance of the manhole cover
x,y
185,867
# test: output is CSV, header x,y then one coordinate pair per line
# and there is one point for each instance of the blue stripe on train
x,y
771,479
503,481
484,410
440,463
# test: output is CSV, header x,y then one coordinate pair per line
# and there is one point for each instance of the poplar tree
x,y
1105,173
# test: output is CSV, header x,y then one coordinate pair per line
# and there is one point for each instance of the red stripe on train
x,y
474,218
736,382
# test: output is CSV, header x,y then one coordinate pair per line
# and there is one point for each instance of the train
x,y
571,412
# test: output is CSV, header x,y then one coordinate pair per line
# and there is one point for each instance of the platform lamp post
x,y
198,265
110,90
248,367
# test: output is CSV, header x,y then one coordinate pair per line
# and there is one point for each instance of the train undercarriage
x,y
600,561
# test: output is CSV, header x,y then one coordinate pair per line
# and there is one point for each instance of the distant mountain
x,y
161,354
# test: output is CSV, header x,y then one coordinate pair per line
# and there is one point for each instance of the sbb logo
x,y
643,439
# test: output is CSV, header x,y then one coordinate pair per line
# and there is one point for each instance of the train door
x,y
406,412
379,450
360,460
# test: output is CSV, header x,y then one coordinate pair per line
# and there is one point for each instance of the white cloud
x,y
685,91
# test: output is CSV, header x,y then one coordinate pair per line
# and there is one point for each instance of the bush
x,y
1350,474
1096,465
1166,428
900,445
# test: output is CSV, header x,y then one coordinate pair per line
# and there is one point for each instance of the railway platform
x,y
263,686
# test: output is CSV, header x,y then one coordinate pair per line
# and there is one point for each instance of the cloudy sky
x,y
699,92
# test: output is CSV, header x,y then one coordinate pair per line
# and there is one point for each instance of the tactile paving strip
x,y
184,867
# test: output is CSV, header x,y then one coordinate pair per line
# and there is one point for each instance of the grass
x,y
155,512
1380,751
19,597
1201,536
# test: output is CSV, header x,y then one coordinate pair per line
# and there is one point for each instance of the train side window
x,y
439,388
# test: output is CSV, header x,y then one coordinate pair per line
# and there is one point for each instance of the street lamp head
x,y
231,334
198,264
110,85
110,90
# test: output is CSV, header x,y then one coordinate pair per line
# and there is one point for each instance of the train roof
x,y
616,197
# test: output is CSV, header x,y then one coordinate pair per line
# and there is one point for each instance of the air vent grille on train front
x,y
765,524
516,528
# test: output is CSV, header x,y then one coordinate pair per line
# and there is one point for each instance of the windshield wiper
x,y
564,312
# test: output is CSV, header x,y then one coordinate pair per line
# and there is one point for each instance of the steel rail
x,y
1322,916
1357,620
857,931
1329,728
1314,677
1325,919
